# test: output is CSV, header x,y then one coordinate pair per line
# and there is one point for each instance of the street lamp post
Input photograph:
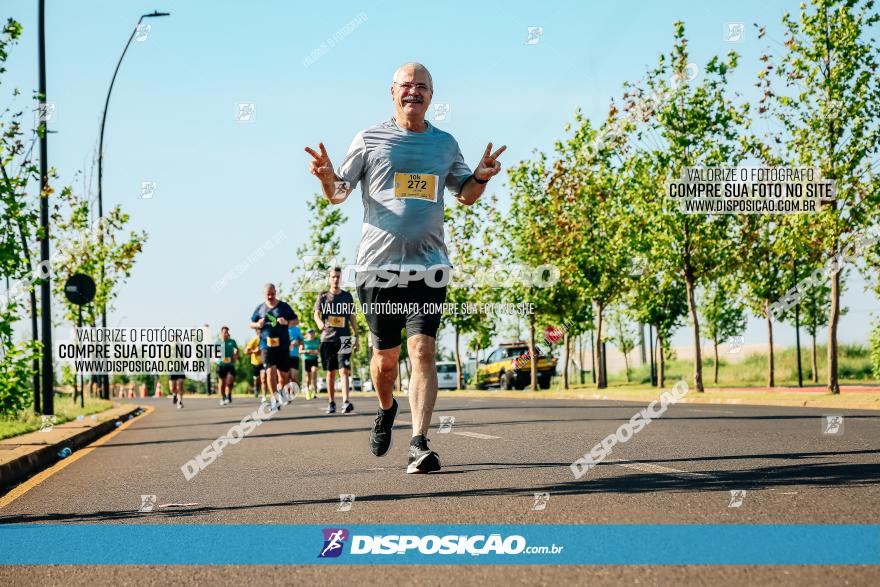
x,y
48,406
208,373
154,14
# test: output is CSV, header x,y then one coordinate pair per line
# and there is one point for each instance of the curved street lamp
x,y
106,380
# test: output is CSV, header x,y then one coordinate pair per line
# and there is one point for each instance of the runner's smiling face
x,y
412,92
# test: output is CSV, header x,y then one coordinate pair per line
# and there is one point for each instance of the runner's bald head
x,y
411,68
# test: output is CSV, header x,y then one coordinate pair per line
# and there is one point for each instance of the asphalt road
x,y
680,468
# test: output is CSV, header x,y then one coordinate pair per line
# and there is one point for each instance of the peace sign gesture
x,y
488,166
320,165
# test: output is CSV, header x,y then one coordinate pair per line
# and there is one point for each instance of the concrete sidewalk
x,y
24,455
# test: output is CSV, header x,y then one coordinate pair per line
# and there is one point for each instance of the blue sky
x,y
224,187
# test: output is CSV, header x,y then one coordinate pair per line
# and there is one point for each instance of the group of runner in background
x,y
279,349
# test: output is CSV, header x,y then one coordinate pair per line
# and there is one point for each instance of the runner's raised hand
x,y
488,166
320,165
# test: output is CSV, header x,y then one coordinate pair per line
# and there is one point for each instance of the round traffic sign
x,y
80,289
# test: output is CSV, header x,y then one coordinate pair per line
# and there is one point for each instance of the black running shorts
x,y
331,360
277,356
389,310
224,370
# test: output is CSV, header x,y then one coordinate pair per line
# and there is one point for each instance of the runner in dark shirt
x,y
273,317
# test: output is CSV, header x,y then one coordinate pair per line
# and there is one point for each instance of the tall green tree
x,y
723,312
623,335
18,361
823,90
531,236
79,248
588,225
815,305
696,124
468,230
315,257
764,272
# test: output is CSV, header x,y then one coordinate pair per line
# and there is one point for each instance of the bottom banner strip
x,y
447,544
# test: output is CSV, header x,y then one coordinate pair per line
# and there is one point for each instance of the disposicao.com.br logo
x,y
394,544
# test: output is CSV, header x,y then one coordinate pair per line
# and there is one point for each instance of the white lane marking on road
x,y
652,468
477,435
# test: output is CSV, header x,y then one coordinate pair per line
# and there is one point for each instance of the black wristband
x,y
479,181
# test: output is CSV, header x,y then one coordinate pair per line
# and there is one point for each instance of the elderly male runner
x,y
403,164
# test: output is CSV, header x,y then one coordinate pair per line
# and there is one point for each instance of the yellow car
x,y
509,367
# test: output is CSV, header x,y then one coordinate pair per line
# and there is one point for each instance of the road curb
x,y
846,402
22,456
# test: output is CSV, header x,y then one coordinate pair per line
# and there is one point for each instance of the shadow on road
x,y
625,481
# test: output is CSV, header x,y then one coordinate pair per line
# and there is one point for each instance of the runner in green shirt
x,y
309,352
226,366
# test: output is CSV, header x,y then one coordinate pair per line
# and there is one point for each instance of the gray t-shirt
x,y
402,176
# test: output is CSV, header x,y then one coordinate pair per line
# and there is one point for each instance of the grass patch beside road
x,y
854,367
65,411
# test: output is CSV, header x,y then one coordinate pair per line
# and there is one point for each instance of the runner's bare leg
x,y
345,377
331,386
423,382
383,371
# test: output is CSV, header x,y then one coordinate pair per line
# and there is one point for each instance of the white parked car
x,y
446,376
353,382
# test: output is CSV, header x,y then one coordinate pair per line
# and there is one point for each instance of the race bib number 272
x,y
422,186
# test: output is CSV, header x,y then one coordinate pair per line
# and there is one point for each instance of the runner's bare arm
x,y
488,168
354,330
321,167
318,322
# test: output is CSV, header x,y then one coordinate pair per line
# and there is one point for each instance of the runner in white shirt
x,y
403,165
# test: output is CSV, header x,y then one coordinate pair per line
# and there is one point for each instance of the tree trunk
x,y
833,319
814,367
566,343
715,344
534,362
592,357
598,363
581,365
770,364
661,377
458,374
36,363
626,366
698,357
